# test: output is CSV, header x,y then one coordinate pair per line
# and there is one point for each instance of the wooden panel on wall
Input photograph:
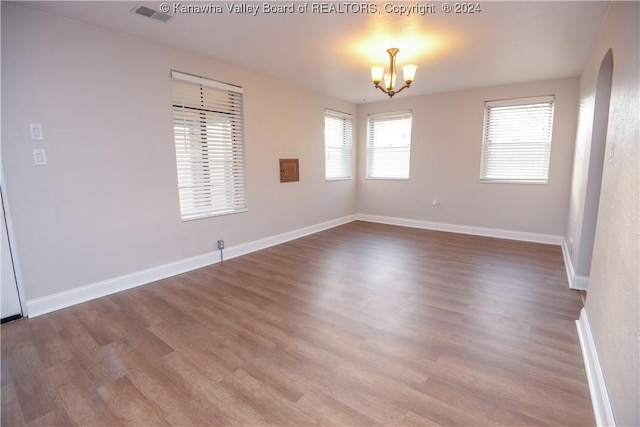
x,y
289,170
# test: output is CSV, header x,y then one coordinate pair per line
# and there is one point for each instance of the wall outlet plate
x,y
221,244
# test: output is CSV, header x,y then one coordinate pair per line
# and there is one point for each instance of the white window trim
x,y
514,103
369,148
347,150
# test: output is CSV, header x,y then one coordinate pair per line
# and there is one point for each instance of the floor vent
x,y
151,13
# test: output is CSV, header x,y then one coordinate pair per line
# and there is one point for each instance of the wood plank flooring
x,y
364,324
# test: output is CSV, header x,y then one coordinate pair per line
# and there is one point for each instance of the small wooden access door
x,y
289,170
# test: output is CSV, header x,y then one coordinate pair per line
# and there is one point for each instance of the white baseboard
x,y
465,229
284,237
49,303
580,283
597,387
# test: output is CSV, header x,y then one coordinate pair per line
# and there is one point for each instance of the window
x,y
389,145
516,144
208,134
338,141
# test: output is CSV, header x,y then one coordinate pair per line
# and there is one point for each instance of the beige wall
x,y
445,163
107,203
613,298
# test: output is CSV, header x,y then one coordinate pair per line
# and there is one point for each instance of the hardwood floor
x,y
363,324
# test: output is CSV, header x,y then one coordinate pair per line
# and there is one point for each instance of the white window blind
x,y
517,140
338,141
389,145
208,133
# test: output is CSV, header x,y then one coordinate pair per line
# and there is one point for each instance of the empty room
x,y
320,213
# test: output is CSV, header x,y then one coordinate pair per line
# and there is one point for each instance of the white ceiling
x,y
506,42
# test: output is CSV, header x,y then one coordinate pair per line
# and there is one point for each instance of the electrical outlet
x,y
221,244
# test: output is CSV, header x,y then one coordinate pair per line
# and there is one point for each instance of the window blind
x,y
517,140
209,143
338,142
389,145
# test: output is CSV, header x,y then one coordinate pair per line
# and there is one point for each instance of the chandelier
x,y
378,75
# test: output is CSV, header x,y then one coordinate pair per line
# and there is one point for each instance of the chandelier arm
x,y
403,87
388,92
392,92
381,87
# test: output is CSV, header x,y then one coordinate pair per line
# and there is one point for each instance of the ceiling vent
x,y
151,13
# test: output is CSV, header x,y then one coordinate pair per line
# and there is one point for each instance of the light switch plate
x,y
35,129
39,157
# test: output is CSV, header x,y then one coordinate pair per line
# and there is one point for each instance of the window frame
x,y
208,128
370,148
547,140
344,147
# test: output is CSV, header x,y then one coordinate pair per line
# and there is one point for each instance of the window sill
x,y
214,214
